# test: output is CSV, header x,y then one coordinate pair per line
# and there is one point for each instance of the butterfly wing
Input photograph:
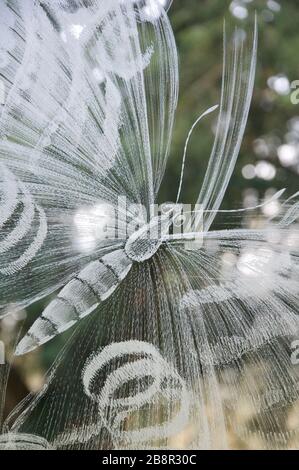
x,y
237,87
131,54
80,127
247,295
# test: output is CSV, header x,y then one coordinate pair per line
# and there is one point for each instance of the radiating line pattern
x,y
169,340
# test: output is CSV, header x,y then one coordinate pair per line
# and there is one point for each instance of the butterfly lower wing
x,y
245,290
122,366
223,337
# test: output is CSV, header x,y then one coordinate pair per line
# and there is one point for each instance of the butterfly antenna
x,y
208,111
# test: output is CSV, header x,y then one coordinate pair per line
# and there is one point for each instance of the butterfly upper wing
x,y
38,183
130,54
161,104
237,87
80,127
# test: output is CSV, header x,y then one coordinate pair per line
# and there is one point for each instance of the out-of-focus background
x,y
269,158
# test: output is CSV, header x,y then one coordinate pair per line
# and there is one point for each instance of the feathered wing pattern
x,y
76,133
130,52
237,87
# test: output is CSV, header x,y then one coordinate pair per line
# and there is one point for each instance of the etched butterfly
x,y
91,92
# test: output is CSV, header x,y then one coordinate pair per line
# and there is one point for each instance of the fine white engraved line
x,y
120,408
9,201
35,246
23,226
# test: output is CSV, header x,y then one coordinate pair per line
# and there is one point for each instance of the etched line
x,y
30,253
85,283
107,265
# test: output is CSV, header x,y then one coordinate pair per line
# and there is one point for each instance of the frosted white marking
x,y
23,224
32,250
116,56
119,262
100,278
9,200
147,362
78,298
18,441
112,122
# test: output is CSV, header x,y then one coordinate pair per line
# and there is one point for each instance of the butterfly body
x,y
80,297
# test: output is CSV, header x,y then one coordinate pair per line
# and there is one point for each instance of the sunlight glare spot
x,y
280,84
248,172
288,155
265,170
